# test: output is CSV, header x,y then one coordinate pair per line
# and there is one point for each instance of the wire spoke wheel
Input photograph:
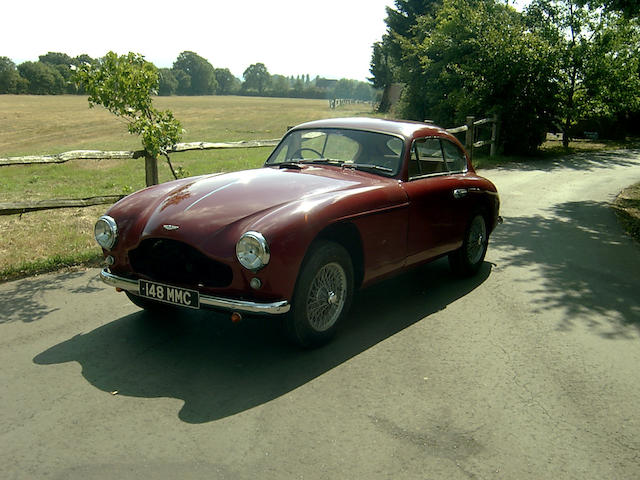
x,y
322,297
326,297
477,240
468,259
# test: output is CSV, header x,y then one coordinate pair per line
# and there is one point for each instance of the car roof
x,y
404,128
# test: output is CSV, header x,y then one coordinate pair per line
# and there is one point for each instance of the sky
x,y
329,38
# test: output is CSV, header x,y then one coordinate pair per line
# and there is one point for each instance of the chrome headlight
x,y
252,251
106,232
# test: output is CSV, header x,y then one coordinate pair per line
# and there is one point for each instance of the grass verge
x,y
552,149
627,208
50,264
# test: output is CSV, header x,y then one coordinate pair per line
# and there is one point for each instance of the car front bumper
x,y
240,306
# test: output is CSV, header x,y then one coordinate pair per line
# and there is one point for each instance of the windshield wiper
x,y
296,162
368,166
288,164
324,161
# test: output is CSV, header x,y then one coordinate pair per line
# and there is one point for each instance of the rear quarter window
x,y
453,157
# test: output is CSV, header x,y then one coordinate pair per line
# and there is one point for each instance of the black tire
x,y
466,261
322,297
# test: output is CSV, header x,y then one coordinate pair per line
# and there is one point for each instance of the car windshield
x,y
374,152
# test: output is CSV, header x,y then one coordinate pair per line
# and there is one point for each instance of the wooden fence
x,y
151,171
471,134
151,164
338,102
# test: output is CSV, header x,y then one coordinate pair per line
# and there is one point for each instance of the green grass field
x,y
36,125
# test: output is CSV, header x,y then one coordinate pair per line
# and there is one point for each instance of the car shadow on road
x,y
219,369
590,269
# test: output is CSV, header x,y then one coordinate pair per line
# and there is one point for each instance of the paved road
x,y
528,371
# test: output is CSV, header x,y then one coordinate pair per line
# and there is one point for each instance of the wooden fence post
x,y
468,139
494,136
151,170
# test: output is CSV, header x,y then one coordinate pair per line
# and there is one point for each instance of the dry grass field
x,y
31,125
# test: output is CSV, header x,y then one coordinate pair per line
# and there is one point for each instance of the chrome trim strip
x,y
274,308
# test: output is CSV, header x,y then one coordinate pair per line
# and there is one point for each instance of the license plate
x,y
168,294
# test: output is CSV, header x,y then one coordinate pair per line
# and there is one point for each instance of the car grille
x,y
176,262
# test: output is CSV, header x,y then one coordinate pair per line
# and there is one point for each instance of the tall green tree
x,y
184,81
82,59
9,76
167,82
56,58
200,71
279,86
256,78
382,71
474,57
597,51
612,78
227,82
123,84
388,54
629,8
42,79
363,91
63,63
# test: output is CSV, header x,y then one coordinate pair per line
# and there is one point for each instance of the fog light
x,y
109,260
255,283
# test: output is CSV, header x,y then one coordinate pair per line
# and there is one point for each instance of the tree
x,y
124,85
43,79
279,86
184,81
598,68
629,8
612,79
363,91
81,59
470,57
167,82
256,78
388,54
227,82
56,58
344,88
383,72
9,76
62,63
200,71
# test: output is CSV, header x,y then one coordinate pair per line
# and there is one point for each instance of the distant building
x,y
326,83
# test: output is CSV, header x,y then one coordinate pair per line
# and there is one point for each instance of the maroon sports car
x,y
338,205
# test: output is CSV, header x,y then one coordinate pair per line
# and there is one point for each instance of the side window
x,y
426,158
454,157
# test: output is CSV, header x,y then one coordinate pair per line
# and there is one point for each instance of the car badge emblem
x,y
170,227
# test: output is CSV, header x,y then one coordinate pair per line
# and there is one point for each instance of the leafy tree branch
x,y
124,85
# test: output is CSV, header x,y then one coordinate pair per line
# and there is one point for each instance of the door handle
x,y
460,192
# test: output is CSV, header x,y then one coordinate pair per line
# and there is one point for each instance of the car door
x,y
435,208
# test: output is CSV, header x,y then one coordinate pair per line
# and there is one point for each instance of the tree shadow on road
x,y
23,300
590,269
220,369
